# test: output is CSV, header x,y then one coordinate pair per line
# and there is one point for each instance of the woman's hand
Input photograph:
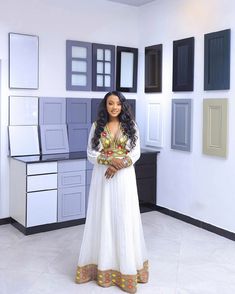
x,y
117,163
110,172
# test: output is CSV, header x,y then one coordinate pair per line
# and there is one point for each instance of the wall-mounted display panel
x,y
54,139
215,127
103,67
217,60
153,69
183,64
23,61
78,110
127,65
23,140
23,111
181,124
154,125
78,137
78,65
52,111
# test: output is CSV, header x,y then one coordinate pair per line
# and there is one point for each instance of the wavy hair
x,y
125,117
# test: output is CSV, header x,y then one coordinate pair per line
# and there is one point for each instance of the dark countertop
x,y
61,156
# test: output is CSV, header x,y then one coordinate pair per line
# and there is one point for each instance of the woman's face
x,y
114,106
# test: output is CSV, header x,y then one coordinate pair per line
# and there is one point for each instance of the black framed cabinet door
x,y
153,69
217,60
183,64
103,67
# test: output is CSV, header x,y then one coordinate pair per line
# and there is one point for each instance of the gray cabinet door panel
x,y
78,137
71,179
52,111
71,203
54,139
95,102
89,165
181,124
78,110
71,165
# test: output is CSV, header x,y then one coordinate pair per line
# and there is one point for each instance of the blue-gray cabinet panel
x,y
54,139
217,60
78,137
71,165
71,203
87,196
88,165
78,110
71,179
88,176
103,67
78,65
95,102
52,111
181,124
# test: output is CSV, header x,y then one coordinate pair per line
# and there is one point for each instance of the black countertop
x,y
61,156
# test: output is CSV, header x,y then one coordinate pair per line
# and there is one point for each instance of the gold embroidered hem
x,y
110,277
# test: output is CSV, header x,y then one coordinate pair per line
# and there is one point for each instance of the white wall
x,y
191,183
55,21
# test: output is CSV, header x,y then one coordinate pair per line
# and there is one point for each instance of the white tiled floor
x,y
183,260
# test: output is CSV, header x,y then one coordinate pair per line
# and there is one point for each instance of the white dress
x,y
113,248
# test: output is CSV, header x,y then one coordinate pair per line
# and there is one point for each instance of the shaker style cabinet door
x,y
78,65
103,67
183,64
181,124
52,111
79,123
153,68
215,127
217,60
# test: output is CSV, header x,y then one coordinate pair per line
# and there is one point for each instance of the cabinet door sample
x,y
215,127
78,65
103,67
23,111
154,133
132,104
23,140
71,203
52,111
153,68
23,61
181,124
127,65
54,139
217,60
41,208
183,64
95,102
78,137
78,110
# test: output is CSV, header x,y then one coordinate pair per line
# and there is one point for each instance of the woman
x,y
113,248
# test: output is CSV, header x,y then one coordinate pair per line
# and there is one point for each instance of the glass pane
x,y
127,67
100,67
79,80
99,81
100,54
79,52
107,67
80,66
107,81
107,55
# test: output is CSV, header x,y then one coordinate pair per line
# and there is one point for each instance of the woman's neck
x,y
113,120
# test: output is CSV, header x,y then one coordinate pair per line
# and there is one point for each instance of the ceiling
x,y
133,2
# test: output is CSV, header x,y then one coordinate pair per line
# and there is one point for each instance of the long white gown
x,y
113,248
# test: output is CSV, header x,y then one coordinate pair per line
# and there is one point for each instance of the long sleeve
x,y
134,154
95,156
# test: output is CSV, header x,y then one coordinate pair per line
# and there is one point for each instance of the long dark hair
x,y
125,117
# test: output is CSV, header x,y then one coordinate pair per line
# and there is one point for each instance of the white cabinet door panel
x,y
41,168
42,182
41,208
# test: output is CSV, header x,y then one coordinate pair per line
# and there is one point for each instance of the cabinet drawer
x,y
41,208
69,179
41,168
71,203
71,165
41,182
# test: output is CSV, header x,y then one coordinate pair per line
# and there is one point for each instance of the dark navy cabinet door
x,y
217,60
95,102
